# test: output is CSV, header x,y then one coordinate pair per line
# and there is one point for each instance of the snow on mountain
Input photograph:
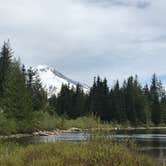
x,y
52,80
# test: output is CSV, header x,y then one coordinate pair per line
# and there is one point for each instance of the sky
x,y
85,38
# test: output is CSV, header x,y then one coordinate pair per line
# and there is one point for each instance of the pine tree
x,y
39,96
79,102
155,101
53,102
146,93
162,100
130,101
5,62
93,98
30,76
117,104
140,102
64,101
99,99
16,100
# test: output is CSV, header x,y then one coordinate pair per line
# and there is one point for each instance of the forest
x,y
130,103
24,102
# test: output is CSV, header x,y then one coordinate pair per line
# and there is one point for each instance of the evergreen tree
x,y
118,104
163,110
93,98
140,102
30,76
162,100
135,101
99,99
53,103
155,101
130,101
146,91
38,94
16,100
5,62
147,103
64,101
79,102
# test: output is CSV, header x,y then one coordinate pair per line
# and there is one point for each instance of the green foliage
x,y
155,95
129,103
20,95
70,102
38,94
97,152
99,99
48,122
117,104
86,122
45,121
26,126
5,62
7,126
16,100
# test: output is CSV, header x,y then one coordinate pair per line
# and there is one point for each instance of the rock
x,y
43,133
74,129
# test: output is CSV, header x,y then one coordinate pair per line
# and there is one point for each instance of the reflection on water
x,y
151,142
79,136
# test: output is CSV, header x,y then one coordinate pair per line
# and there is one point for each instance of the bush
x,y
48,122
86,122
45,121
7,126
26,126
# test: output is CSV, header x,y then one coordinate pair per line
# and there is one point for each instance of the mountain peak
x,y
52,80
43,68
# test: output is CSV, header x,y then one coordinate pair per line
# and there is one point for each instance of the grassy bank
x,y
56,122
43,121
97,152
49,122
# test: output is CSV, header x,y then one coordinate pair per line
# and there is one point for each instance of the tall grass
x,y
97,152
86,122
52,122
45,121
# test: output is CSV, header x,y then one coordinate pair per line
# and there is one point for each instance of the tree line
x,y
129,103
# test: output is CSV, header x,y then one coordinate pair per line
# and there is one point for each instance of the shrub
x,y
86,122
48,122
7,126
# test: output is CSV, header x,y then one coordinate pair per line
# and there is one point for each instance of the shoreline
x,y
74,129
42,133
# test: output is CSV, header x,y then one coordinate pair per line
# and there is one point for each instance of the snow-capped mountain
x,y
52,80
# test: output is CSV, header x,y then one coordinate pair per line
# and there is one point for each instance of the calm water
x,y
151,142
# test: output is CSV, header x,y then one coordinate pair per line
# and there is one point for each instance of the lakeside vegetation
x,y
43,121
96,152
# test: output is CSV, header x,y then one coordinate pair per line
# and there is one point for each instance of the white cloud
x,y
86,38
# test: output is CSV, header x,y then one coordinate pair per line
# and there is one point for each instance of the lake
x,y
150,142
